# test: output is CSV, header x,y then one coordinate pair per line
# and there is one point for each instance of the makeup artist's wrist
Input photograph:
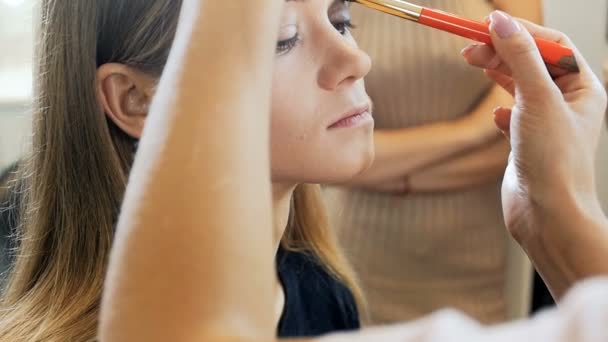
x,y
568,245
557,217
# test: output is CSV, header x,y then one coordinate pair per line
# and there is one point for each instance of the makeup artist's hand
x,y
554,128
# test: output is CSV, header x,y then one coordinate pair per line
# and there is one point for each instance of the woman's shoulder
x,y
316,301
306,268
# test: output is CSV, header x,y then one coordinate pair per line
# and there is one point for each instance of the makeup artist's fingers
x,y
556,36
485,57
568,82
538,31
506,82
517,49
546,33
557,72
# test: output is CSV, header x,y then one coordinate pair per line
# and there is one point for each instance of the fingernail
x,y
503,24
468,49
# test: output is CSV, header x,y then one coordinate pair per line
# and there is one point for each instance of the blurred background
x,y
584,21
16,44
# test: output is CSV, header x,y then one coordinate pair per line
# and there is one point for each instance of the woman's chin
x,y
346,169
365,163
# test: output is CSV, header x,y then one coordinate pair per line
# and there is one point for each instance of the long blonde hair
x,y
72,184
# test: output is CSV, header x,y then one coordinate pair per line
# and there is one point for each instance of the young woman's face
x,y
322,129
321,117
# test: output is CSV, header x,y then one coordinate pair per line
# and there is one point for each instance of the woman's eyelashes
x,y
344,26
286,45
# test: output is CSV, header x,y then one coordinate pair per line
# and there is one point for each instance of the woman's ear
x,y
125,95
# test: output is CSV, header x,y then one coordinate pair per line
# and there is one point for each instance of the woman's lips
x,y
353,118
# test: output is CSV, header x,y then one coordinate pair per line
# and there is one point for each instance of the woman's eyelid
x,y
341,16
339,5
288,31
340,11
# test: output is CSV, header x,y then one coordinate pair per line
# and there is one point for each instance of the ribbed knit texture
x,y
419,253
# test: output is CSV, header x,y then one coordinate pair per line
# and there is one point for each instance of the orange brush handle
x,y
552,53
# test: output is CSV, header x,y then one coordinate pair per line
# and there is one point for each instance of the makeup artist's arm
x,y
186,266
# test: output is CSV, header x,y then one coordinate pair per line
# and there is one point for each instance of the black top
x,y
316,303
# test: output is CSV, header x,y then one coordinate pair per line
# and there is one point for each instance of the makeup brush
x,y
553,53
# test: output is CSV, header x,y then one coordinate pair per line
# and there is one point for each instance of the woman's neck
x,y
281,205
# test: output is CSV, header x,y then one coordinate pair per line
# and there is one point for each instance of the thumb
x,y
517,49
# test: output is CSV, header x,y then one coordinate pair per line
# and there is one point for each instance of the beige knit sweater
x,y
419,253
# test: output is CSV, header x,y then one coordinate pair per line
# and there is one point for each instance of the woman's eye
x,y
284,46
344,26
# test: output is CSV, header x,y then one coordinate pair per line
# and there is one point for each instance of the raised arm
x,y
193,257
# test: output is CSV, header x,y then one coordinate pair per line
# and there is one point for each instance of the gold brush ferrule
x,y
397,8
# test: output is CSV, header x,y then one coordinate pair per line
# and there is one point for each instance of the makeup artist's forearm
x,y
196,221
476,167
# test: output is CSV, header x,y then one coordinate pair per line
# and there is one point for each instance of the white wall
x,y
15,76
585,22
15,125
